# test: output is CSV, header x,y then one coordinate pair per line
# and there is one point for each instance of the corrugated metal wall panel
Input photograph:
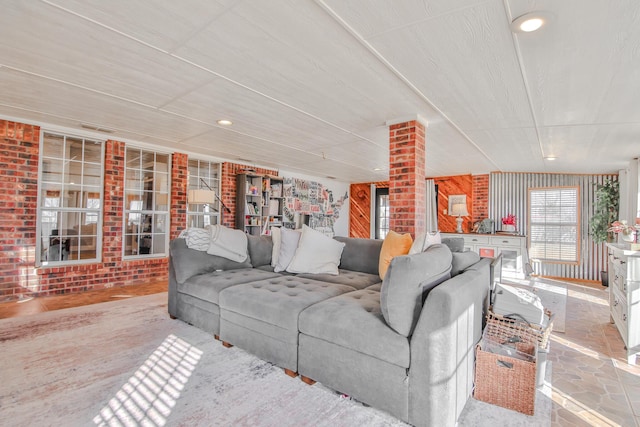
x,y
508,194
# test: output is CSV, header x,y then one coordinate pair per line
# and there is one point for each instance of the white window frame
x,y
559,221
49,209
135,213
210,172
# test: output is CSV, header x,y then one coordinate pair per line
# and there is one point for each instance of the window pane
x,y
133,158
53,146
52,170
202,174
554,224
92,152
64,192
146,195
133,180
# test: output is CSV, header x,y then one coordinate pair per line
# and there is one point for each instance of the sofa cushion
x,y
394,245
260,249
207,286
288,244
463,260
360,254
409,279
355,279
189,262
278,300
354,320
316,253
455,244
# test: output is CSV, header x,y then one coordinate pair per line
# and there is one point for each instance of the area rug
x,y
125,363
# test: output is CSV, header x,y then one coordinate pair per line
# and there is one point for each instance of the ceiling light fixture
x,y
224,122
550,157
528,22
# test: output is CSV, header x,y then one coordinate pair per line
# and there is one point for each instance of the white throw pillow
x,y
316,254
276,239
431,239
288,244
423,241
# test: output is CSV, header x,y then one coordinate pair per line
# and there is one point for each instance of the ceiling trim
x,y
523,74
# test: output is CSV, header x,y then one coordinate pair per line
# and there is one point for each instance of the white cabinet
x,y
513,249
624,295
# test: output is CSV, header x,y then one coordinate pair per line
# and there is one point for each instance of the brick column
x,y
19,149
480,198
407,185
112,228
179,185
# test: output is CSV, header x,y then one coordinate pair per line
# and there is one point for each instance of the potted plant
x,y
604,214
605,211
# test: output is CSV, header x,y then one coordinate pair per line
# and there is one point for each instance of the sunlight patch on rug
x,y
148,397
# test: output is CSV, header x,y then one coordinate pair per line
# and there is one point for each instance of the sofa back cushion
x,y
260,249
190,262
360,254
456,244
407,282
462,261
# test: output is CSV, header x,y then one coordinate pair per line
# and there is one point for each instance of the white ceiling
x,y
310,85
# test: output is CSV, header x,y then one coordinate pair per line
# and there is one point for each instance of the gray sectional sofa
x,y
404,345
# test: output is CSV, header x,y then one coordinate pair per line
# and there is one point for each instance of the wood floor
x,y
36,305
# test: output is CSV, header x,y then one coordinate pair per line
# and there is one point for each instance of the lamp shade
x,y
201,197
459,209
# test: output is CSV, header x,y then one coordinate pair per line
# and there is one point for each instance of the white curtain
x,y
432,213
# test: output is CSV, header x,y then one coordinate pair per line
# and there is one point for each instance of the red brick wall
x,y
179,185
407,186
228,188
480,197
19,150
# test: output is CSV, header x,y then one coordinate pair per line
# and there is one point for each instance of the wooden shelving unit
x,y
259,203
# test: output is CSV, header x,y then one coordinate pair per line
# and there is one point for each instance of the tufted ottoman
x,y
262,316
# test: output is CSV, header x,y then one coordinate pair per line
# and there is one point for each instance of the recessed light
x,y
378,169
550,157
528,22
224,122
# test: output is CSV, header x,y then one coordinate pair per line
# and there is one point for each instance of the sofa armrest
x,y
442,347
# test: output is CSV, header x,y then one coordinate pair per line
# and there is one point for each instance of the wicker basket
x,y
502,329
507,381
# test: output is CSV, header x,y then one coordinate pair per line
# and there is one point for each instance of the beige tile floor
x,y
592,383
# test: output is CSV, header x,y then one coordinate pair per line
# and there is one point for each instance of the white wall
x,y
629,187
338,189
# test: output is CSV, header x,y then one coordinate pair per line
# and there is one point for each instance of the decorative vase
x,y
628,237
508,227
